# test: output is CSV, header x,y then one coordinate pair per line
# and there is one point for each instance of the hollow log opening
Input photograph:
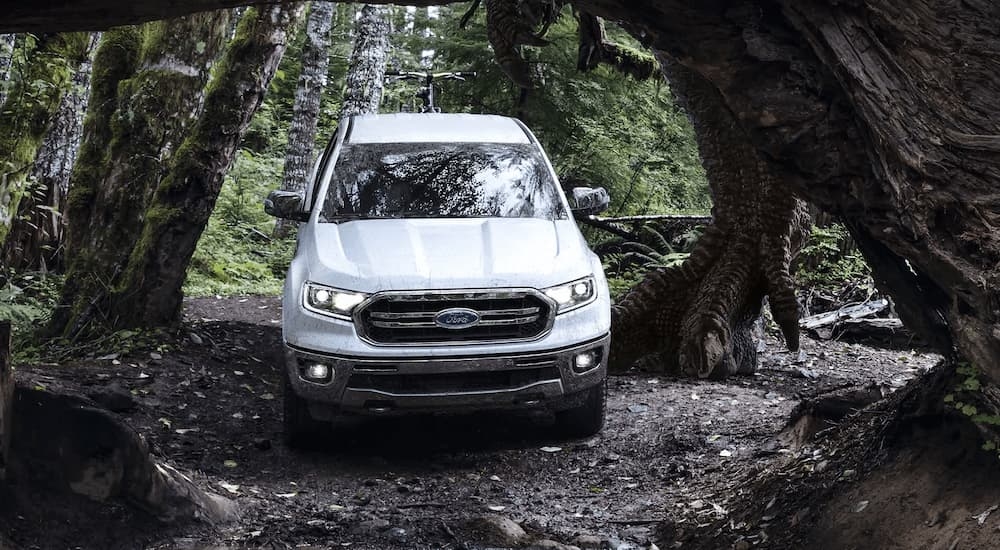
x,y
899,140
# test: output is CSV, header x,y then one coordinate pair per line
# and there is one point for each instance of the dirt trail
x,y
210,404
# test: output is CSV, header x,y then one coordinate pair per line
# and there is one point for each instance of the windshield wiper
x,y
338,218
425,215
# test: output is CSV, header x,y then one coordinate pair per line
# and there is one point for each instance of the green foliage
x,y
823,264
967,388
268,132
42,70
236,254
599,128
27,301
626,262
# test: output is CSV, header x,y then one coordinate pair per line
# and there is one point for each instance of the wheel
x,y
586,419
301,430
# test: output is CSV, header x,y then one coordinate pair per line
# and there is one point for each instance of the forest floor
x,y
664,468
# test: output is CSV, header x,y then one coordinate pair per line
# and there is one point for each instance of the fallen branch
x,y
858,311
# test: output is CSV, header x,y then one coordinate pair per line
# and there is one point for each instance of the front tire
x,y
301,430
587,419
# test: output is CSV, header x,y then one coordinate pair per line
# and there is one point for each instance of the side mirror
x,y
286,205
590,202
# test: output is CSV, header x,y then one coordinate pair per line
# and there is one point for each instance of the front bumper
x,y
396,385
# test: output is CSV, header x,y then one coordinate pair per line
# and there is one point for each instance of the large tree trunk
x,y
699,316
149,292
28,113
366,74
126,153
899,141
308,96
35,240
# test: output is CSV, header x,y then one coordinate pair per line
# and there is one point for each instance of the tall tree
x,y
149,292
29,111
148,90
308,97
7,42
366,74
35,240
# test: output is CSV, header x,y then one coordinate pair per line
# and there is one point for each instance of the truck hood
x,y
376,255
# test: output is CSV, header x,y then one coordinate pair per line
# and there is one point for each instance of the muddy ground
x,y
209,403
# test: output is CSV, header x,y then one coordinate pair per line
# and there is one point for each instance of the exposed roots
x,y
698,316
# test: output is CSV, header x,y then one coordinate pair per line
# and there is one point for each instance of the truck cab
x,y
439,269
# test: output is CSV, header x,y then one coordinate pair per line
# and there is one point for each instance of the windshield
x,y
441,180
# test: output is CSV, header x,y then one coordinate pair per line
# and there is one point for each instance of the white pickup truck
x,y
439,269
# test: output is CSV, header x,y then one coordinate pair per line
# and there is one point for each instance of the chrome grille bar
x,y
408,318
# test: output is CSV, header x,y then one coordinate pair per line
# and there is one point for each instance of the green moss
x,y
637,63
115,60
29,111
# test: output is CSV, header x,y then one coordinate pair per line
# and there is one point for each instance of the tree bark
x,y
126,152
28,113
6,397
698,317
35,240
149,292
366,74
308,97
862,107
7,43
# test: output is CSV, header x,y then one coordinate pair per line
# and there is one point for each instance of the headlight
x,y
573,295
331,301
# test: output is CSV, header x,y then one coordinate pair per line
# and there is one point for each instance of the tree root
x,y
698,316
66,442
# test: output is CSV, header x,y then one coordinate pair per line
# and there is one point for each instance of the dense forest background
x,y
600,128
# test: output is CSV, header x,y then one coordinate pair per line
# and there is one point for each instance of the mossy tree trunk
x,y
698,316
308,97
29,111
7,42
35,240
366,73
149,292
148,91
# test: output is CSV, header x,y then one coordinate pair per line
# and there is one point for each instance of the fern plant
x,y
626,262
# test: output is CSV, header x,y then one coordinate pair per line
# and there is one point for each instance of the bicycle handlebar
x,y
414,75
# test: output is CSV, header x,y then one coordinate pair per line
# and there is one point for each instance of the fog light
x,y
317,372
585,361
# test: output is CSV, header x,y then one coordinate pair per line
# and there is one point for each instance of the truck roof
x,y
436,128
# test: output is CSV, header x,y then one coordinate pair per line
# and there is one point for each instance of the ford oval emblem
x,y
457,318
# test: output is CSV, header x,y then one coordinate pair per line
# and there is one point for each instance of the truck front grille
x,y
409,319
